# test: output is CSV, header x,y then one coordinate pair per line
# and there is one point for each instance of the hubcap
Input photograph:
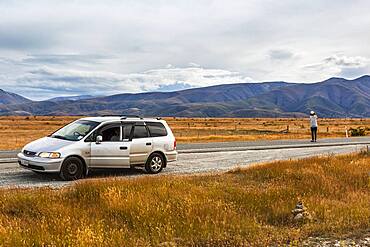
x,y
72,168
156,164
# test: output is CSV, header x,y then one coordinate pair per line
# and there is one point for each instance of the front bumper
x,y
39,164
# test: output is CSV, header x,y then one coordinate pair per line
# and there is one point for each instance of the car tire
x,y
72,169
155,163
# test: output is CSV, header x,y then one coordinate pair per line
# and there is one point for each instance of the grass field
x,y
17,131
249,207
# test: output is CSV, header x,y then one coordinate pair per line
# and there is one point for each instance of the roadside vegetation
x,y
18,131
250,207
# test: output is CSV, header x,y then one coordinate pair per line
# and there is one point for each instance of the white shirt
x,y
313,121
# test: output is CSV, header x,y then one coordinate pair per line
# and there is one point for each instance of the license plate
x,y
24,162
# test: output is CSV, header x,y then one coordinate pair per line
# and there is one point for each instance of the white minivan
x,y
102,142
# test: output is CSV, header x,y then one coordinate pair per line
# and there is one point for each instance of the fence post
x,y
16,136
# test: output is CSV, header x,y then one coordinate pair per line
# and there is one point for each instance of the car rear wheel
x,y
72,169
155,163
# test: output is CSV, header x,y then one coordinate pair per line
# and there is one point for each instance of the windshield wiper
x,y
59,137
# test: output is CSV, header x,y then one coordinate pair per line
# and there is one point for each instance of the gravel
x,y
329,242
11,175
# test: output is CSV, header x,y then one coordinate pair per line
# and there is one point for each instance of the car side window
x,y
140,131
110,133
91,137
156,129
126,128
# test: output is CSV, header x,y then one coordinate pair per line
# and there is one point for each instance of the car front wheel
x,y
155,163
72,169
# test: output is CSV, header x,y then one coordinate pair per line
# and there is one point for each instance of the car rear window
x,y
140,132
156,129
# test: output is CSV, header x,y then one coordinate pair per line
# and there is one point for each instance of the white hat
x,y
312,112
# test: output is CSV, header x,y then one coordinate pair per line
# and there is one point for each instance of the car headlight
x,y
51,155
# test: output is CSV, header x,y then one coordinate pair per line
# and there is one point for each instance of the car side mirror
x,y
99,139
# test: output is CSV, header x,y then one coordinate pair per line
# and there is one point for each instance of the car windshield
x,y
75,131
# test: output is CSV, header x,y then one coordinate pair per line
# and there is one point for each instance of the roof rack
x,y
131,116
123,116
127,116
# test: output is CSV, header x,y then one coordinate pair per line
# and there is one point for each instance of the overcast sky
x,y
54,48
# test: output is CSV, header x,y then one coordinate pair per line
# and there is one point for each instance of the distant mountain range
x,y
7,98
335,97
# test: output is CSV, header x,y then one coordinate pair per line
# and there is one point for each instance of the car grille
x,y
29,153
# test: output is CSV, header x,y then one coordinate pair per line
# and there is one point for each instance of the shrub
x,y
358,131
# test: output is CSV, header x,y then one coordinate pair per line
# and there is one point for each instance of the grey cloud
x,y
345,61
280,54
25,37
340,65
65,58
340,61
62,82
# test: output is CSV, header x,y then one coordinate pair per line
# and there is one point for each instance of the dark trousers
x,y
314,133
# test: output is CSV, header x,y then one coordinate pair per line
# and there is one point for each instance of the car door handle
x,y
148,143
123,148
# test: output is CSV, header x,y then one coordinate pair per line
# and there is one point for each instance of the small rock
x,y
297,211
299,205
298,217
300,213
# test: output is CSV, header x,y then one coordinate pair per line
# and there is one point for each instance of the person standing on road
x,y
313,122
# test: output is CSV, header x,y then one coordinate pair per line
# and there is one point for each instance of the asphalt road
x,y
273,144
6,156
196,158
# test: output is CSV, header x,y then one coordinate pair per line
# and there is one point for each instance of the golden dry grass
x,y
17,131
249,207
249,129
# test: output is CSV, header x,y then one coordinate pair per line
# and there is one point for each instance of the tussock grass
x,y
249,207
18,131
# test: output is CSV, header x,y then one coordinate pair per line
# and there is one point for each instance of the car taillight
x,y
174,144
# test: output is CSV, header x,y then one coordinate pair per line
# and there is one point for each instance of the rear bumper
x,y
171,156
39,164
